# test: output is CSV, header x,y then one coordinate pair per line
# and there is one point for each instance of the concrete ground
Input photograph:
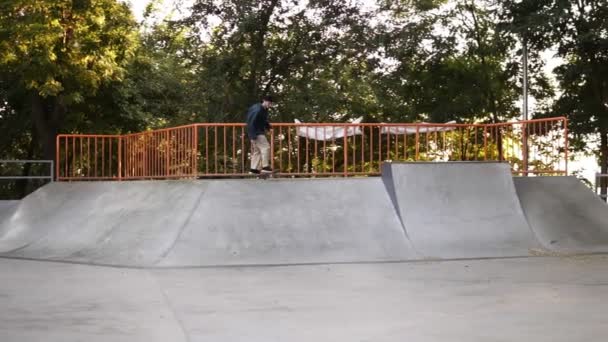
x,y
524,299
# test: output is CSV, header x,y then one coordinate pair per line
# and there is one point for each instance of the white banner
x,y
327,133
420,128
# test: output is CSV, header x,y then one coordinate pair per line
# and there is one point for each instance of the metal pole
x,y
525,81
525,108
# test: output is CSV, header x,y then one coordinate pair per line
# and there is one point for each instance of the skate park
x,y
457,250
286,170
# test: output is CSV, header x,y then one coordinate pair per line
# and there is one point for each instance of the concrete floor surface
x,y
522,299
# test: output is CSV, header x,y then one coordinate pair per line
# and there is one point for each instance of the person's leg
x,y
264,147
256,156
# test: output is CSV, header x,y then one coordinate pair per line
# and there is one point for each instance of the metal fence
x,y
50,177
311,149
18,178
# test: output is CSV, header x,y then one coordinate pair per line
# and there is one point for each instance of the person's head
x,y
267,101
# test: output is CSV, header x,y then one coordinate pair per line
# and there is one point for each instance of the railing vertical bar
x,y
243,152
207,149
289,150
280,137
388,144
371,148
233,161
405,143
345,154
215,149
363,149
417,142
224,157
379,146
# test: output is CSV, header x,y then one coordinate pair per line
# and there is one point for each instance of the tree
x,y
160,86
451,61
313,55
59,53
578,30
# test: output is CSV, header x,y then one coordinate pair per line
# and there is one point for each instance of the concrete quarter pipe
x,y
566,216
459,210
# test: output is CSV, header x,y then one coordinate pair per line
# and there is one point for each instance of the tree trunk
x,y
498,129
46,115
259,48
22,184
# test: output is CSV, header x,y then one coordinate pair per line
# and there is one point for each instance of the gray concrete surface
x,y
130,224
291,221
346,235
7,207
43,301
28,221
566,216
460,210
194,223
415,211
530,299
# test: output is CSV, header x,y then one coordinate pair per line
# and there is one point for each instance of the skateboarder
x,y
257,125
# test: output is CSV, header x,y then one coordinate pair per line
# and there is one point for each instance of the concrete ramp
x,y
7,208
198,223
415,211
115,223
566,216
291,221
459,210
26,222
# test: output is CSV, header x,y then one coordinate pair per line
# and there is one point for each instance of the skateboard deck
x,y
265,175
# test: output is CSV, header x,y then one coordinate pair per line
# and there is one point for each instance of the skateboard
x,y
265,175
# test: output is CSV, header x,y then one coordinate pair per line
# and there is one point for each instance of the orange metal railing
x,y
223,150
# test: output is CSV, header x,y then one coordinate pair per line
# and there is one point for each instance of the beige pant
x,y
260,156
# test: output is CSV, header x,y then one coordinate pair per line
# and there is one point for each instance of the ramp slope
x,y
25,222
292,221
459,210
565,215
126,223
7,208
198,223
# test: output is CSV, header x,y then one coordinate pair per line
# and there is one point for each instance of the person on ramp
x,y
257,125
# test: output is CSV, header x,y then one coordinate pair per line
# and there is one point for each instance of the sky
x,y
588,164
138,6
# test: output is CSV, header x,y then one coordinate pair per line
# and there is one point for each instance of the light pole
x,y
525,107
525,81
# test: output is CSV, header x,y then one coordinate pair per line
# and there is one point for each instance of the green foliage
x,y
71,66
57,55
578,31
65,48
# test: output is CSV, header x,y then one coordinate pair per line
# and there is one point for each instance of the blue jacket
x,y
257,121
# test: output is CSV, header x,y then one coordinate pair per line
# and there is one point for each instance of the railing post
x,y
525,148
485,142
119,158
195,151
57,154
346,152
272,149
566,145
417,141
